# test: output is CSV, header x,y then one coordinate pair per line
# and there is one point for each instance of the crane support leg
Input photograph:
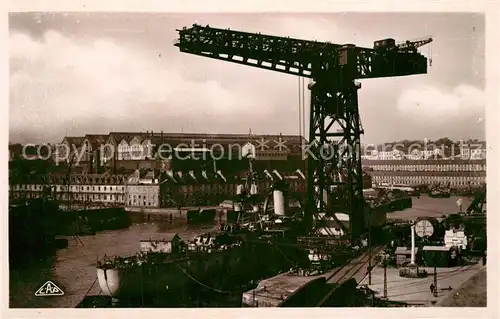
x,y
335,180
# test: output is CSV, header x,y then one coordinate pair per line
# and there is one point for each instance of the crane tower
x,y
333,153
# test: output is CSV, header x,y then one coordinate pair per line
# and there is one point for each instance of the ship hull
x,y
139,281
221,270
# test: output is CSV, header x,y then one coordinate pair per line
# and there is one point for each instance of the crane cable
x,y
430,54
300,111
303,108
200,283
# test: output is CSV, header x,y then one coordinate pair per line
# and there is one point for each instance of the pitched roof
x,y
404,250
128,136
289,143
17,148
96,140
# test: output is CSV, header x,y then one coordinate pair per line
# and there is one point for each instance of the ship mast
x,y
248,192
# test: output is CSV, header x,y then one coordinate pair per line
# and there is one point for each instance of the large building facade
x,y
76,190
469,150
459,173
143,188
128,151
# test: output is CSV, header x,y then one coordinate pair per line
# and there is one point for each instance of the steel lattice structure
x,y
334,165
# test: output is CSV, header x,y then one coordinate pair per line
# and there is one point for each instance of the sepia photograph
x,y
236,160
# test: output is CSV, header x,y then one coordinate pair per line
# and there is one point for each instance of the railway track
x,y
356,268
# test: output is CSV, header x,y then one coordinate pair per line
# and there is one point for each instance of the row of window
x,y
143,189
149,197
35,187
472,156
144,203
417,180
133,147
93,197
432,168
296,186
230,187
76,197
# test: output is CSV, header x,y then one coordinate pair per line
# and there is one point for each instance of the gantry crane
x,y
334,164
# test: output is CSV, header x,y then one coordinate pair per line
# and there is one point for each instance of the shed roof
x,y
96,140
404,250
74,140
436,248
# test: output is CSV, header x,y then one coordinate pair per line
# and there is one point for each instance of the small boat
x,y
440,191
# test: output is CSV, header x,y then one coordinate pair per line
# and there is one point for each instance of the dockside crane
x,y
334,176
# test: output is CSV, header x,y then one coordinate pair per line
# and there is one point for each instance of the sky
x,y
93,73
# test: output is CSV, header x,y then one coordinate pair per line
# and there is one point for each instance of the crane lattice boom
x,y
299,57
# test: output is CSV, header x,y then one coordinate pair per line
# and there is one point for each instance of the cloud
x,y
55,80
434,105
103,74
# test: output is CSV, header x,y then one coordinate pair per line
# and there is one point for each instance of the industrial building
x,y
469,150
125,152
77,189
141,189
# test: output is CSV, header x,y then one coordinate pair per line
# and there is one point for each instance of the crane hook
x,y
430,54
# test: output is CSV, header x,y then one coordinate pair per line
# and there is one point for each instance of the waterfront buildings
x,y
143,188
78,190
136,170
459,173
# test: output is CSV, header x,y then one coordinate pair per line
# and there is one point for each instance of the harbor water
x,y
73,269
